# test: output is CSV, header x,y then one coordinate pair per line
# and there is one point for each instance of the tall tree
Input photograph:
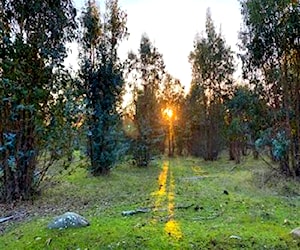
x,y
212,64
102,81
147,69
270,39
32,49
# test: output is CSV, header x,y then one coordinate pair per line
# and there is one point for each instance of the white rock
x,y
296,233
235,237
68,219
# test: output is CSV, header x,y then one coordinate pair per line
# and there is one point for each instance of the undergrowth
x,y
192,204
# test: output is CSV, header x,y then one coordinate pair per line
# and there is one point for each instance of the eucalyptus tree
x,y
102,81
212,67
271,60
32,49
147,70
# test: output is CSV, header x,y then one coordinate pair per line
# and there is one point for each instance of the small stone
x,y
296,233
235,237
68,219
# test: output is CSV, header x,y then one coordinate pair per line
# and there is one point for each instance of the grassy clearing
x,y
194,205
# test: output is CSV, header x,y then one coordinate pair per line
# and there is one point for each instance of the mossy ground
x,y
194,205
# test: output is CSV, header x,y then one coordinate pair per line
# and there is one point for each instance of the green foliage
x,y
280,145
101,82
32,50
246,116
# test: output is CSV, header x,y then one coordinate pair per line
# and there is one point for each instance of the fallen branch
x,y
184,207
4,219
136,211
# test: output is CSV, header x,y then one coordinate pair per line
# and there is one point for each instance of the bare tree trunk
x,y
237,151
231,150
285,163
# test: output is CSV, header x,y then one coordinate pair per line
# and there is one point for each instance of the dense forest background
x,y
47,113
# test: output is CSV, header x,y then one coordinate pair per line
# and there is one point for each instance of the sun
x,y
168,112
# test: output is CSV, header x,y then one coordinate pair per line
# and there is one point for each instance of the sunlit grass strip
x,y
162,183
172,227
197,169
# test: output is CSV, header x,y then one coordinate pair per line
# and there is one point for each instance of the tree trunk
x,y
231,150
297,118
235,151
284,163
284,166
19,166
255,154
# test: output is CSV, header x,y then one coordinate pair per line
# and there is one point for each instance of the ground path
x,y
164,197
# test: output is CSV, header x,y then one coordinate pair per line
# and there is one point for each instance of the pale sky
x,y
172,26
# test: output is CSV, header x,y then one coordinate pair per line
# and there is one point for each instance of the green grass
x,y
256,214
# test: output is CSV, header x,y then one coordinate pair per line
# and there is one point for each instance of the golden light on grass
x,y
197,169
162,179
166,193
172,227
160,194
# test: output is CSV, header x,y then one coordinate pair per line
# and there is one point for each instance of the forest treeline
x,y
47,112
